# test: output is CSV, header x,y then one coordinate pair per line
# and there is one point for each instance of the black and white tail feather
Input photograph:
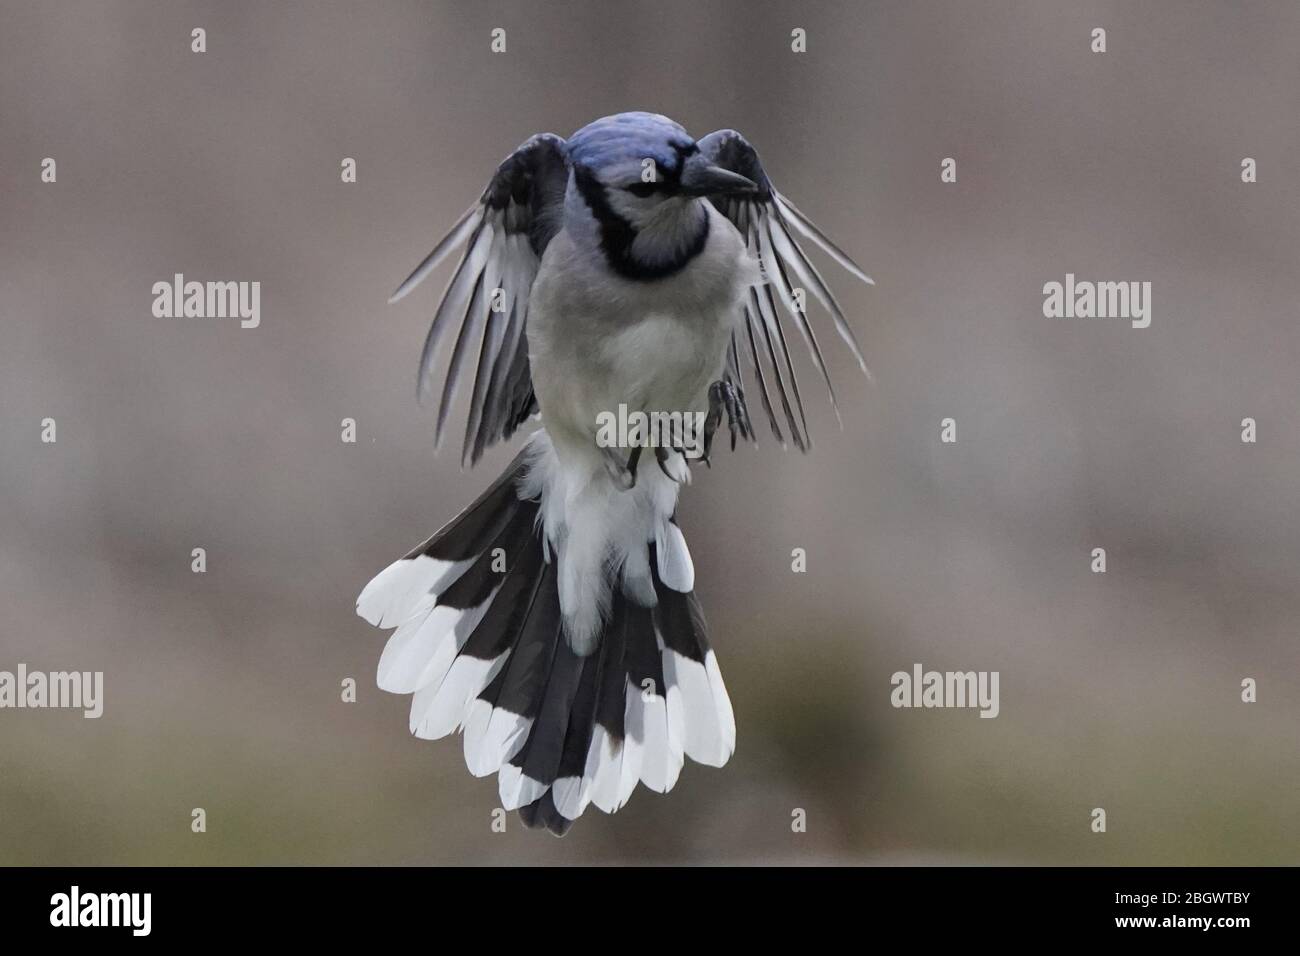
x,y
573,707
480,644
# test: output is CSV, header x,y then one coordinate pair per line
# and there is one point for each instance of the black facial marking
x,y
617,234
668,174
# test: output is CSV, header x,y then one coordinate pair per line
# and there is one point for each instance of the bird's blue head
x,y
614,141
642,178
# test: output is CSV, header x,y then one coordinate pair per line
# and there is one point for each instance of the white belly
x,y
597,340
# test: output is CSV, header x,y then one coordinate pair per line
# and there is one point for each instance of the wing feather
x,y
769,221
767,308
762,379
468,222
455,301
811,231
781,282
789,254
504,235
469,328
493,405
771,340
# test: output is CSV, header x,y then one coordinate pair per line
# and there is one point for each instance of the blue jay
x,y
554,621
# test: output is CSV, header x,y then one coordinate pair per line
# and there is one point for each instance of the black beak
x,y
699,178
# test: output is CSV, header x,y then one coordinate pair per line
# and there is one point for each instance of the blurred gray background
x,y
1119,690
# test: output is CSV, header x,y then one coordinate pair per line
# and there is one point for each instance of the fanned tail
x,y
482,642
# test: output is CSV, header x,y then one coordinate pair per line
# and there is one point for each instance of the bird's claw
x,y
675,468
726,396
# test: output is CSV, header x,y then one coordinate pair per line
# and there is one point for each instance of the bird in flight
x,y
554,621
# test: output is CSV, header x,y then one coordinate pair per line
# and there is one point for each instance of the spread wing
x,y
503,235
765,220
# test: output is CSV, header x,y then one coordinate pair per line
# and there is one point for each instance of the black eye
x,y
643,189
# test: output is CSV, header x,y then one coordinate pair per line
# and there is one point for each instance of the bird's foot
x,y
672,462
726,396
